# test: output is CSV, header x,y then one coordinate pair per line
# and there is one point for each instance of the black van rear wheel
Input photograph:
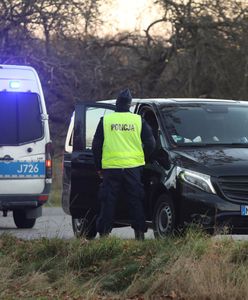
x,y
163,217
21,221
85,226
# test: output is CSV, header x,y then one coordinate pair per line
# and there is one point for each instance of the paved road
x,y
54,223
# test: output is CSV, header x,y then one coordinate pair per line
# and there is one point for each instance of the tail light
x,y
43,198
49,160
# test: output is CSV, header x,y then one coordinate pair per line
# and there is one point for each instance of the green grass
x,y
193,266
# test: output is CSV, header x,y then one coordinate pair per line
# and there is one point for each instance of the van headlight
x,y
202,181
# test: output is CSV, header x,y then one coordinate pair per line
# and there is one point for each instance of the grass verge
x,y
193,266
56,190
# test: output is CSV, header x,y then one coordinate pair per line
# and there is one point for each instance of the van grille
x,y
234,187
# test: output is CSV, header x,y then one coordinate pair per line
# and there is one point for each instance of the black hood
x,y
215,161
123,101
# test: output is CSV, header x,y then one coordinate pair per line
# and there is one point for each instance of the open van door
x,y
81,182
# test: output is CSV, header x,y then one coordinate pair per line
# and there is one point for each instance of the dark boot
x,y
104,234
139,235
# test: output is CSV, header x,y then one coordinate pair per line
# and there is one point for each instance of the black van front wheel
x,y
84,226
163,217
21,221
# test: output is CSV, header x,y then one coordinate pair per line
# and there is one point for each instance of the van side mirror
x,y
160,154
162,157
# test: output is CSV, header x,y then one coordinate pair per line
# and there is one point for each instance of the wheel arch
x,y
161,190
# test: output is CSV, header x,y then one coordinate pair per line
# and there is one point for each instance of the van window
x,y
150,118
20,118
207,124
93,115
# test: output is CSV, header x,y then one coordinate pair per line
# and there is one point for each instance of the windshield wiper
x,y
192,145
243,145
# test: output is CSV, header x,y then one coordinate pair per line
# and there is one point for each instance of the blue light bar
x,y
14,84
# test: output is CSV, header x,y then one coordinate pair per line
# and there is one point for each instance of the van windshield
x,y
20,118
206,124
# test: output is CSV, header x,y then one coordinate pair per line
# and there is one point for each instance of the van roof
x,y
159,101
15,78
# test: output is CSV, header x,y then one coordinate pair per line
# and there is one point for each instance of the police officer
x,y
121,142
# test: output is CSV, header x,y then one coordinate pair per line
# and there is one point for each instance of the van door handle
x,y
83,156
7,158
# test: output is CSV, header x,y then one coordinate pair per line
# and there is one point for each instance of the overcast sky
x,y
130,15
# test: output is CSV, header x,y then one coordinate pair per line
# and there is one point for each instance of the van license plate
x,y
17,169
244,210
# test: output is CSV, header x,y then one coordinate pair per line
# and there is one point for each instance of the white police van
x,y
25,145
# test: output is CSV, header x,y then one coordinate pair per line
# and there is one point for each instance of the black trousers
x,y
116,181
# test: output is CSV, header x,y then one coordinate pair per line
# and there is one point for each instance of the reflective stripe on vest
x,y
122,147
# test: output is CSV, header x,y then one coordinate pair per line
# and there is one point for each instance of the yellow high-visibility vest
x,y
122,146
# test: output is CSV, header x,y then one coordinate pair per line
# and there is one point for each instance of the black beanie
x,y
124,99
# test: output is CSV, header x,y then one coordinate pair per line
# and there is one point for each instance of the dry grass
x,y
194,266
56,191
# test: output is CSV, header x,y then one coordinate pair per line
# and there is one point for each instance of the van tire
x,y
163,217
21,221
85,226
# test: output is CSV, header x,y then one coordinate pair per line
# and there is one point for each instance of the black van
x,y
198,173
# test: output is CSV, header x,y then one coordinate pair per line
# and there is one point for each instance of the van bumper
x,y
19,202
11,202
212,211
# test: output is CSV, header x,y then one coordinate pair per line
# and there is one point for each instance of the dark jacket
x,y
147,138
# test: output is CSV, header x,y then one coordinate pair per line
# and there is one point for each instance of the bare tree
x,y
207,38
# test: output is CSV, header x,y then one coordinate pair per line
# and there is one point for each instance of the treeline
x,y
203,51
